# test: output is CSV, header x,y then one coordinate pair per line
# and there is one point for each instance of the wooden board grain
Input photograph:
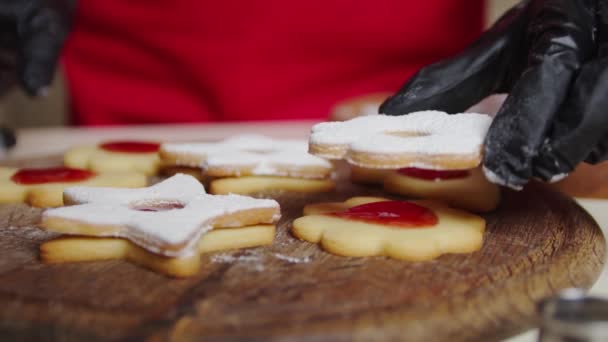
x,y
536,243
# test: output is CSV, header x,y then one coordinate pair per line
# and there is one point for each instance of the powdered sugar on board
x,y
172,230
425,132
256,259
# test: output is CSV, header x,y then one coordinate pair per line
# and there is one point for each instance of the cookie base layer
x,y
90,229
51,194
456,232
398,161
248,185
82,249
473,193
99,160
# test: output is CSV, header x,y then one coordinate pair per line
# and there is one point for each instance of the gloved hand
x,y
31,35
551,56
7,139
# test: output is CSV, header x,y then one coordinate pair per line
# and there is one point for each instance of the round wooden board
x,y
536,243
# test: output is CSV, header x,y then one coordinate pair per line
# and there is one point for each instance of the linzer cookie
x,y
164,227
251,163
369,226
134,156
43,187
427,139
167,219
465,189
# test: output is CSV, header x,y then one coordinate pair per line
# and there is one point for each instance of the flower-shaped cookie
x,y
134,156
43,187
427,139
168,218
253,163
367,226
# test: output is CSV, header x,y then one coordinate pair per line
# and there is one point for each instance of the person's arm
x,y
551,56
32,33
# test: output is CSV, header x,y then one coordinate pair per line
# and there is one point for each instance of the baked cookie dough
x,y
133,156
82,249
369,226
464,189
43,187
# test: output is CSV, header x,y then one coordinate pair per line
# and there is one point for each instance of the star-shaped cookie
x,y
167,218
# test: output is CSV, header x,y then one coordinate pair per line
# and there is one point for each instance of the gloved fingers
x,y
41,34
579,126
599,152
561,40
456,84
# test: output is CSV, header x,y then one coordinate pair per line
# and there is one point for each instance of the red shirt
x,y
154,61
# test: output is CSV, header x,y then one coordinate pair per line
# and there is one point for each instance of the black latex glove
x,y
31,35
551,57
7,139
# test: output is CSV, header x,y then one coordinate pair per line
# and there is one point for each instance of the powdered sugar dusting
x,y
496,179
263,155
292,260
179,188
425,132
256,260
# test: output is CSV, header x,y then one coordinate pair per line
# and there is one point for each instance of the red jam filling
x,y
130,146
155,207
50,175
433,174
392,213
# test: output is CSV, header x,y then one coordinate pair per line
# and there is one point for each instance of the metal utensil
x,y
573,316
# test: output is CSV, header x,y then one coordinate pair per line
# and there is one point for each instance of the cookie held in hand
x,y
427,139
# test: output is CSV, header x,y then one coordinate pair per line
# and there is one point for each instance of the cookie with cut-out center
x,y
167,218
43,187
408,230
427,139
82,249
252,163
127,155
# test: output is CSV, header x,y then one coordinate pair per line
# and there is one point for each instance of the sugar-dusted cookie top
x,y
248,155
428,139
167,218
